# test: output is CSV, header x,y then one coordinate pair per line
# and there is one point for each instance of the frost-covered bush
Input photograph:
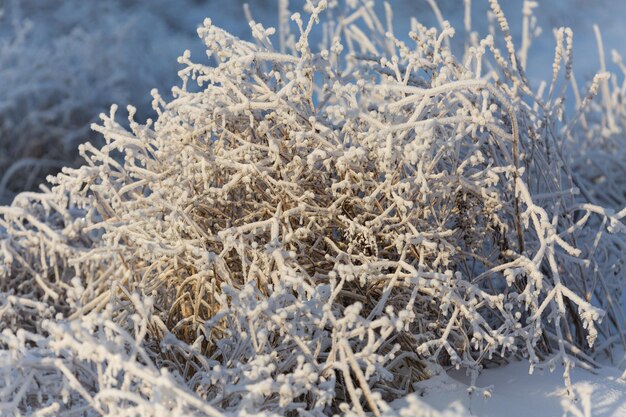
x,y
598,158
311,230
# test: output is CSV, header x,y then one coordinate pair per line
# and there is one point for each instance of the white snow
x,y
155,33
516,393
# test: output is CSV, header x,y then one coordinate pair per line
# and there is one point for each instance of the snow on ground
x,y
515,393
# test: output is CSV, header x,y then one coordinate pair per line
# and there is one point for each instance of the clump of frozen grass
x,y
308,231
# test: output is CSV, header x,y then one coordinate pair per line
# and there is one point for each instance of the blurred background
x,y
63,62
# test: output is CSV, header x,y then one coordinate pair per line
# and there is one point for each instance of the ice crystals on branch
x,y
313,231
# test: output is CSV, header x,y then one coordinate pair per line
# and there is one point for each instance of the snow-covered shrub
x,y
311,230
599,158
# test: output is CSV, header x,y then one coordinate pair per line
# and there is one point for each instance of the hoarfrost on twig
x,y
312,231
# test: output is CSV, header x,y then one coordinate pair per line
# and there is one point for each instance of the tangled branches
x,y
305,232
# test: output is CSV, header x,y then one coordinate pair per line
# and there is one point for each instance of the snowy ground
x,y
161,30
515,393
